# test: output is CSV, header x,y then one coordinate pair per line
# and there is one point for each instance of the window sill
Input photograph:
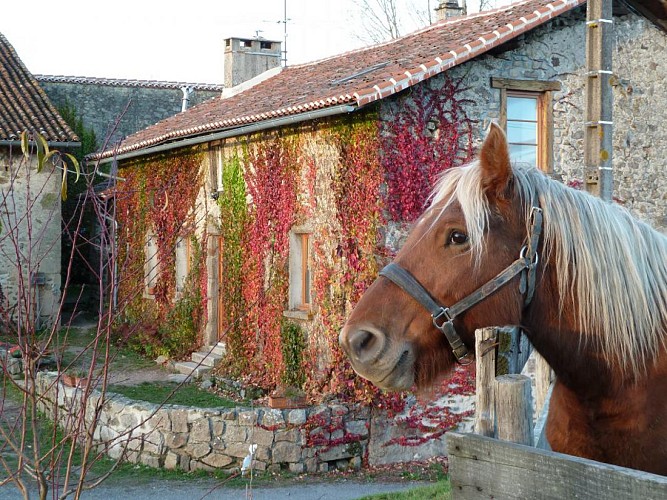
x,y
298,314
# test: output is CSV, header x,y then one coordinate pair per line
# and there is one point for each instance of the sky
x,y
176,41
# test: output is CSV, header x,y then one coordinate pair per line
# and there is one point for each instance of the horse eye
x,y
458,238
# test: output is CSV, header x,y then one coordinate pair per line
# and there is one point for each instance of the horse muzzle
x,y
375,358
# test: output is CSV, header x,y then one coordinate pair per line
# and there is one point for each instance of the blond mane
x,y
612,264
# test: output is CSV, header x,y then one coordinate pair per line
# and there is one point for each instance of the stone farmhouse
x,y
30,201
267,212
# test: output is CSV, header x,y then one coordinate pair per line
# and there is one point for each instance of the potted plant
x,y
287,397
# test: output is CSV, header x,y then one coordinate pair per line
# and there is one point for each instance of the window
x,y
300,270
523,127
526,114
183,255
151,264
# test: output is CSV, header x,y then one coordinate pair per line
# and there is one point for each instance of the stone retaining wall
x,y
315,439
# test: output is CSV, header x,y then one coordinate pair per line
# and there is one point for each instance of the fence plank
x,y
485,357
482,467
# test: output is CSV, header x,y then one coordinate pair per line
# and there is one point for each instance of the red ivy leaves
x,y
271,179
424,137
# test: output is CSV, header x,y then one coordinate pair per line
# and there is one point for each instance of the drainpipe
x,y
187,92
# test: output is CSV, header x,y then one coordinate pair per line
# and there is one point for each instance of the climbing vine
x,y
233,220
425,137
158,197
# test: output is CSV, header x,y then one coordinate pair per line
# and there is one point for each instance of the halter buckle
x,y
443,314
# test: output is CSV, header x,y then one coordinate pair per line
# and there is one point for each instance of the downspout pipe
x,y
248,129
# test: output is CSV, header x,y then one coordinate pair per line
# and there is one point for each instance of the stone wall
x,y
556,52
100,102
314,439
38,242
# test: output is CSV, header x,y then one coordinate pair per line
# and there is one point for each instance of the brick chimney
x,y
450,8
245,58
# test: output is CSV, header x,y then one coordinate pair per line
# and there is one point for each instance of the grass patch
x,y
161,392
440,490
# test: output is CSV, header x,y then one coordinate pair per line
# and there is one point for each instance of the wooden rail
x,y
505,468
481,467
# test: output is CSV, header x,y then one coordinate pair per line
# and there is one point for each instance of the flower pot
x,y
285,402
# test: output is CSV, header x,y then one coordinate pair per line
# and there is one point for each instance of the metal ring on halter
x,y
522,255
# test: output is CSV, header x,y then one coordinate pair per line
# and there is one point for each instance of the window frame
x,y
300,273
182,250
543,91
151,264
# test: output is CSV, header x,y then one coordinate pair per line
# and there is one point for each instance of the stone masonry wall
x,y
39,242
314,439
556,52
101,104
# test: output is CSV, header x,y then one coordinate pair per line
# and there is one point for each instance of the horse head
x,y
462,242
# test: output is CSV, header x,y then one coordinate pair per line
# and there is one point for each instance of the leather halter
x,y
443,317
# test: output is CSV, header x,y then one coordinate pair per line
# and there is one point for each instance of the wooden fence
x,y
499,461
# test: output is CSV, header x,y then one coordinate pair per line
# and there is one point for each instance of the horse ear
x,y
494,160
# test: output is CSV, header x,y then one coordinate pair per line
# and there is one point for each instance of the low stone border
x,y
314,439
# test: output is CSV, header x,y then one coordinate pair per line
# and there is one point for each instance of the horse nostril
x,y
365,345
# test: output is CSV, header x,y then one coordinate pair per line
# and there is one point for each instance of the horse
x,y
504,244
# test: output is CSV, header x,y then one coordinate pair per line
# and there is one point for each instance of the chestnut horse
x,y
502,244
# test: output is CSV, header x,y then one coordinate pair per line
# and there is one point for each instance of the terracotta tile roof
x,y
120,82
23,103
357,78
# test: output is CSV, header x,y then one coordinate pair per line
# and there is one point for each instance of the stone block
x,y
171,461
239,450
229,414
310,464
339,410
175,440
286,452
291,435
179,420
248,417
260,436
235,434
198,450
217,460
297,467
150,460
337,453
200,431
217,426
263,453
154,443
296,417
273,418
196,465
357,427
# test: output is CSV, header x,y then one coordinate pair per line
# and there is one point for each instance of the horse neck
x,y
576,361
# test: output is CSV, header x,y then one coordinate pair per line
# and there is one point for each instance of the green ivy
x,y
233,218
293,345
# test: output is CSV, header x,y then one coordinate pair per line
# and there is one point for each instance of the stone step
x,y
220,349
192,369
206,358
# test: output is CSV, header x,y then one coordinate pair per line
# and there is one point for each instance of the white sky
x,y
174,41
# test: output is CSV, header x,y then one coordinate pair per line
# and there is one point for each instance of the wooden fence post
x,y
485,358
514,413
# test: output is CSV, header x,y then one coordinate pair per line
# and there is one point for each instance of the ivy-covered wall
x,y
343,180
159,198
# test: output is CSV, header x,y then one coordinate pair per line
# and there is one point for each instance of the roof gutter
x,y
248,129
52,144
